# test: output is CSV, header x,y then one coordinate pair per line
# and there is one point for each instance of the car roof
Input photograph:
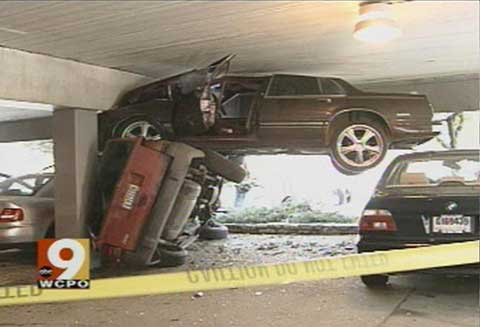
x,y
51,176
267,75
439,154
34,175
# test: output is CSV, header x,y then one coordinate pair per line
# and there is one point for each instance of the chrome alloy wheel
x,y
360,145
142,128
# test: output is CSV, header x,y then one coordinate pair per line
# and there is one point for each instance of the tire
x,y
237,159
224,167
50,232
366,151
375,281
212,230
29,250
172,256
134,127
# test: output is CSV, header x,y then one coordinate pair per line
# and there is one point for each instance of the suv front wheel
x,y
139,127
375,280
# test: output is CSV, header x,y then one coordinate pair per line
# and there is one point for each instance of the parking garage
x,y
65,65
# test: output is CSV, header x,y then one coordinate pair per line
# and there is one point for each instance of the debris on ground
x,y
236,250
198,295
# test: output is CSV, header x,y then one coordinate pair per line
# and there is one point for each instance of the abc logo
x,y
45,271
63,263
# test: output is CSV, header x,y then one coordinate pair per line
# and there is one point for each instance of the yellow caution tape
x,y
224,278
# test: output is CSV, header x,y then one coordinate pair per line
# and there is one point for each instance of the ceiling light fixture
x,y
375,23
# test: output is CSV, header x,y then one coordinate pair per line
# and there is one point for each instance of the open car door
x,y
219,68
208,103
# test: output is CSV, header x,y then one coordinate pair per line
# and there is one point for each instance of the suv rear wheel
x,y
358,145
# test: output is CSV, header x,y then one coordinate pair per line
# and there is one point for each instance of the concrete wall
x,y
38,78
26,130
454,93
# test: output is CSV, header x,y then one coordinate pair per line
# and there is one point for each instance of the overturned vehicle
x,y
157,198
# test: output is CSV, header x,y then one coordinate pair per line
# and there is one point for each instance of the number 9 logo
x,y
73,265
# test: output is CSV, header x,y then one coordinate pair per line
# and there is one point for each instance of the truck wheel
x,y
357,146
375,280
50,231
237,159
212,230
219,165
139,127
172,256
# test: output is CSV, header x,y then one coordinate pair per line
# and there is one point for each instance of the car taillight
x,y
377,221
11,214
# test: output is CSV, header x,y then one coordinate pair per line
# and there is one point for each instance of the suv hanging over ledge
x,y
268,114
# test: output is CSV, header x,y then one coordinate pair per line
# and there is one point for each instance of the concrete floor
x,y
414,300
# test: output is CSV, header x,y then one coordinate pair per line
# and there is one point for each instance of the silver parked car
x,y
26,209
3,177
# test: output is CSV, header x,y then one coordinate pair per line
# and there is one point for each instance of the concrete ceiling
x,y
162,38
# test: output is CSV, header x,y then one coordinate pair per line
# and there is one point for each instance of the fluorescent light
x,y
375,24
25,105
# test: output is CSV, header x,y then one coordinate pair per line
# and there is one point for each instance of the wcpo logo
x,y
63,263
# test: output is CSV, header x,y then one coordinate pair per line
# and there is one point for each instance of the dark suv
x,y
273,114
424,199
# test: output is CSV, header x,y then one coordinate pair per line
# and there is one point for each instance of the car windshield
x,y
26,185
449,171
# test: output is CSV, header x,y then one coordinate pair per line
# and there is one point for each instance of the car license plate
x,y
130,196
452,224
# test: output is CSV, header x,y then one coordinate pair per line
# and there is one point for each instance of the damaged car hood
x,y
187,82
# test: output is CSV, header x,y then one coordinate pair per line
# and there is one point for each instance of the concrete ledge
x,y
26,129
63,83
303,229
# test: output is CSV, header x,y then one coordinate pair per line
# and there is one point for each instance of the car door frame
x,y
304,130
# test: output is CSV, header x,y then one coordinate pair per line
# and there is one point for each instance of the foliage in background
x,y
287,213
45,146
455,125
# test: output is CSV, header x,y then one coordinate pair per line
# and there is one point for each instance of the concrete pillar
x,y
75,150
